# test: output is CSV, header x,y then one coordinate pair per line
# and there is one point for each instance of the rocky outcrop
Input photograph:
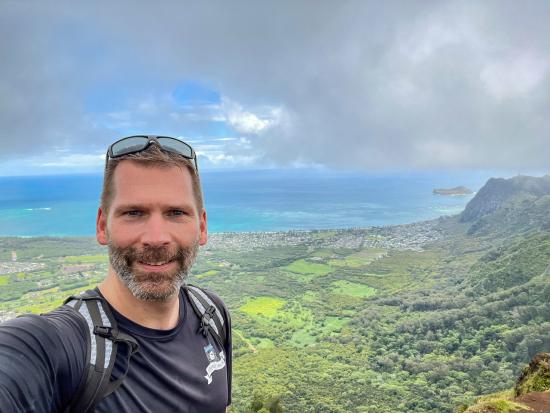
x,y
535,377
532,392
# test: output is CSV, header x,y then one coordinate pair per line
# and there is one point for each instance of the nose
x,y
156,232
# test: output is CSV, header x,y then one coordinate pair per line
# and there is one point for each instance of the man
x,y
152,219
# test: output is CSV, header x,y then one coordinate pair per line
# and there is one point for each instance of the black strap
x,y
217,318
209,315
93,308
102,327
133,347
205,320
87,393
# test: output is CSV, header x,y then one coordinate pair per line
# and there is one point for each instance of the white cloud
x,y
439,152
223,159
430,36
73,160
197,113
249,123
513,76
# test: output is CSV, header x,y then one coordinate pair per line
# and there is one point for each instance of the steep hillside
x,y
519,215
510,265
497,191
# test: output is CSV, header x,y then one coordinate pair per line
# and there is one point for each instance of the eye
x,y
177,212
133,213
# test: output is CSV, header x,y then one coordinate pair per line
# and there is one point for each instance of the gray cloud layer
x,y
364,84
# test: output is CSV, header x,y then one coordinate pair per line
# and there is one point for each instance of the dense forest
x,y
413,318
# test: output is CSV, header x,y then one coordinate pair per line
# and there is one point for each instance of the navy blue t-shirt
x,y
177,370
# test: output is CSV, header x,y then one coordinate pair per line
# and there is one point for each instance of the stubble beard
x,y
152,286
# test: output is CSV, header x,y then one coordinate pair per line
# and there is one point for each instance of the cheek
x,y
120,235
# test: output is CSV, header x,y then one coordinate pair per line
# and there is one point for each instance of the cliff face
x,y
498,191
535,377
530,395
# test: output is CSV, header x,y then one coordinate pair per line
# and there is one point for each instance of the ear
x,y
203,228
101,227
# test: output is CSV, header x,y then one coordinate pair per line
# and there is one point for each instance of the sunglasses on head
x,y
138,143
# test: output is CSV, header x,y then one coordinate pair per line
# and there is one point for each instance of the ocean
x,y
246,200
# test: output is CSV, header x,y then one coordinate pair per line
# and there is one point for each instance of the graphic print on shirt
x,y
216,361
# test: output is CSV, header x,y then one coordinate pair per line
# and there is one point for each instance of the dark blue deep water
x,y
264,200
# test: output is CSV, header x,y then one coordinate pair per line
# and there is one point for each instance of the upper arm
x,y
35,370
26,369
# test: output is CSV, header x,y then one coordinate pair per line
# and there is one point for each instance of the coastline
x,y
272,201
412,236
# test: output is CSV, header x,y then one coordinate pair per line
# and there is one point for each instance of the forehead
x,y
132,182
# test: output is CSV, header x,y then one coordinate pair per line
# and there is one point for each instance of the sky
x,y
365,85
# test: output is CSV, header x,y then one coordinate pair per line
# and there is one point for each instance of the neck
x,y
158,315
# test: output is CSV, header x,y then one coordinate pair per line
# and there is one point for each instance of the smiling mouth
x,y
156,265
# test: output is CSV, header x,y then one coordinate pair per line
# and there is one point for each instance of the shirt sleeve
x,y
41,362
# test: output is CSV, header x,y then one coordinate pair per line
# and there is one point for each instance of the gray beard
x,y
152,286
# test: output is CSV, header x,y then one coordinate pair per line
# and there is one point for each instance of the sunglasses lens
x,y
129,145
175,145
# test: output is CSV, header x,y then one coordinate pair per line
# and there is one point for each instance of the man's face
x,y
153,229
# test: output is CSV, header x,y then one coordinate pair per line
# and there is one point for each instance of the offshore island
x,y
457,190
423,317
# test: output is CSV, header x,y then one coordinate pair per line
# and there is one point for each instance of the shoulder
x,y
41,360
45,328
47,333
206,298
26,332
68,324
215,298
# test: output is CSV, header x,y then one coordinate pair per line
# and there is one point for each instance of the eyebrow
x,y
129,206
126,207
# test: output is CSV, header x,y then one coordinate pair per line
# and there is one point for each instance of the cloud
x,y
75,159
217,154
357,84
246,122
514,76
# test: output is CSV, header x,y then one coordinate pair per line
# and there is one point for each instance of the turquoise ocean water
x,y
259,200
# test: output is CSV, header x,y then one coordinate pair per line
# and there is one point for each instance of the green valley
x,y
413,318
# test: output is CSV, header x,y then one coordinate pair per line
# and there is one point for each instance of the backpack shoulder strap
x,y
212,319
103,339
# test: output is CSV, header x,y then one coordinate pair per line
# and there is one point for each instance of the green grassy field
x,y
263,306
205,274
306,270
86,259
353,289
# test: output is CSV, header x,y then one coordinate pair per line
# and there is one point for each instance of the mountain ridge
x,y
498,191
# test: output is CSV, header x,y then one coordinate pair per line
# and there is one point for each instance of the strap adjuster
x,y
205,320
103,331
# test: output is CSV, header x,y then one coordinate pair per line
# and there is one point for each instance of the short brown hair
x,y
153,156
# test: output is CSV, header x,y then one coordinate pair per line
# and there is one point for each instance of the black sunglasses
x,y
138,143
